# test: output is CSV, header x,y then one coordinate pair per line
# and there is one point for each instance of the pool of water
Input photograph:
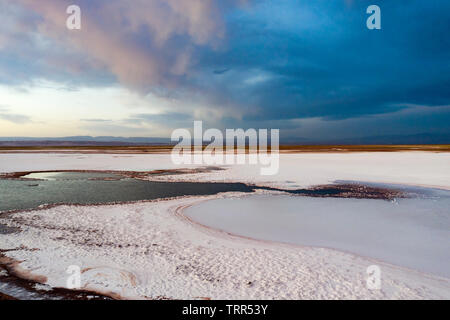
x,y
71,175
93,188
414,232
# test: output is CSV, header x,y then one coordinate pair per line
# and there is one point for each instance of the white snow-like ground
x,y
150,250
295,170
146,250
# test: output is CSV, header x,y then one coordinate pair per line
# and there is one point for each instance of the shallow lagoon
x,y
413,232
96,188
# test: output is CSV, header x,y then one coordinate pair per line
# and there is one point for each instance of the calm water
x,y
40,188
412,232
86,188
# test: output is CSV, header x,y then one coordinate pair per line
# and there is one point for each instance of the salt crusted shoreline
x,y
151,251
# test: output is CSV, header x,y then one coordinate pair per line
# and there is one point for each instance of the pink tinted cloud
x,y
144,43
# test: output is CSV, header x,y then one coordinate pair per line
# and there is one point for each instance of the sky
x,y
310,68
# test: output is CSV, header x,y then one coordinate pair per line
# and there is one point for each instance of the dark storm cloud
x,y
330,65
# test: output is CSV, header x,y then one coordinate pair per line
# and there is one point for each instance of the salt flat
x,y
151,250
296,170
146,250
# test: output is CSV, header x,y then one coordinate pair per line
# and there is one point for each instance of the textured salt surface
x,y
148,251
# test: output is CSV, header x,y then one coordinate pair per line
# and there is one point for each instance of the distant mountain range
x,y
82,141
423,138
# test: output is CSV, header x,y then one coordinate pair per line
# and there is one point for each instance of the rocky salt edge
x,y
149,250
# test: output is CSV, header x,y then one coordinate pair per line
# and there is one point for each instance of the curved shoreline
x,y
216,233
234,236
27,281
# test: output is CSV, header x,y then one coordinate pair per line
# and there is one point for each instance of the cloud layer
x,y
236,63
